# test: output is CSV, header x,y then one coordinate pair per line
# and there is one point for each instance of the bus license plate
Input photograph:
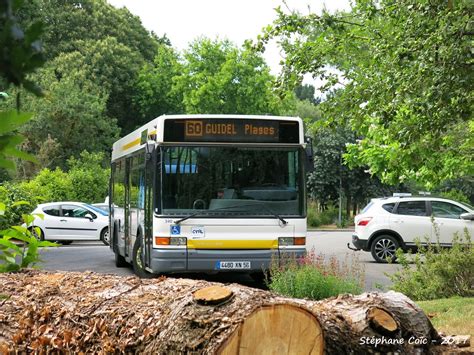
x,y
233,265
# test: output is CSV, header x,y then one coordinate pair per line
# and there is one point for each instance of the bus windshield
x,y
232,181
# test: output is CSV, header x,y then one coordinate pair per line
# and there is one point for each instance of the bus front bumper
x,y
210,260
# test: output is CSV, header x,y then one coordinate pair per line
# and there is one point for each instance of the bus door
x,y
134,199
148,188
127,223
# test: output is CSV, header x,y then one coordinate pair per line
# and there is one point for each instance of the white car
x,y
68,221
387,224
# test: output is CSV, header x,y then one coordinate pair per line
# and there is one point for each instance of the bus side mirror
x,y
309,154
149,150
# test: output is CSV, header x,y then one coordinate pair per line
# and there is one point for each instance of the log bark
x,y
93,313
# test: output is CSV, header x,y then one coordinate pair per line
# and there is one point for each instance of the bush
x,y
10,193
328,216
89,179
50,185
315,278
438,272
313,216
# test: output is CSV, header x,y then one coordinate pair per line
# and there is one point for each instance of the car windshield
x,y
96,209
467,205
217,180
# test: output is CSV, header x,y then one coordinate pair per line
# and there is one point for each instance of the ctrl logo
x,y
194,129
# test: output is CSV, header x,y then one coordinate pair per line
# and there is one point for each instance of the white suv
x,y
387,224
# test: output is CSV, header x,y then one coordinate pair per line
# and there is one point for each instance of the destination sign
x,y
231,130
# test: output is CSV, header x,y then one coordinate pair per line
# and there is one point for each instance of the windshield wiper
x,y
229,207
285,222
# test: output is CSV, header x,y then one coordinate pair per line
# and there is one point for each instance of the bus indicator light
x,y
162,240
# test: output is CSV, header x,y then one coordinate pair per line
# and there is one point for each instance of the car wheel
x,y
137,261
35,230
105,236
384,247
119,259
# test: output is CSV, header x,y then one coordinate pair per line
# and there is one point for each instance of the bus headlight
x,y
178,241
285,241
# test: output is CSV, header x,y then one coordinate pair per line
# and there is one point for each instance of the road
x,y
94,256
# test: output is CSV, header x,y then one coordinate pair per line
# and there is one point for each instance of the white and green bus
x,y
209,193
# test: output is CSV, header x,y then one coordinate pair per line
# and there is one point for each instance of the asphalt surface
x,y
94,256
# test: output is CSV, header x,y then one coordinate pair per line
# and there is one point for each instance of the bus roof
x,y
154,130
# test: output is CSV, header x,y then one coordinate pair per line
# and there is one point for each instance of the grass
x,y
316,276
452,316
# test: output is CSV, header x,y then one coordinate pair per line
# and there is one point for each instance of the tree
x,y
331,177
154,94
217,77
68,23
107,64
306,92
407,82
70,120
101,44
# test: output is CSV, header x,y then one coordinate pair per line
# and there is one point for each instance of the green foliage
x,y
436,272
21,52
9,140
313,219
71,119
306,93
10,193
315,278
49,185
88,177
19,247
154,94
328,216
20,56
331,176
108,57
455,195
400,74
217,77
69,22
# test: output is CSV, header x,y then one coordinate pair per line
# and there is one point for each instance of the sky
x,y
236,20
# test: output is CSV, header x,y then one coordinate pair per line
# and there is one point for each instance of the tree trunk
x,y
89,312
348,206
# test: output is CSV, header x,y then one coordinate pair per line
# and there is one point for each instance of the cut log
x,y
382,321
89,312
212,295
277,329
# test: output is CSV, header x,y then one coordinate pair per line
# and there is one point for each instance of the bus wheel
x,y
138,268
119,259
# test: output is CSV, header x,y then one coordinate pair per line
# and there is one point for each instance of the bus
x,y
209,193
